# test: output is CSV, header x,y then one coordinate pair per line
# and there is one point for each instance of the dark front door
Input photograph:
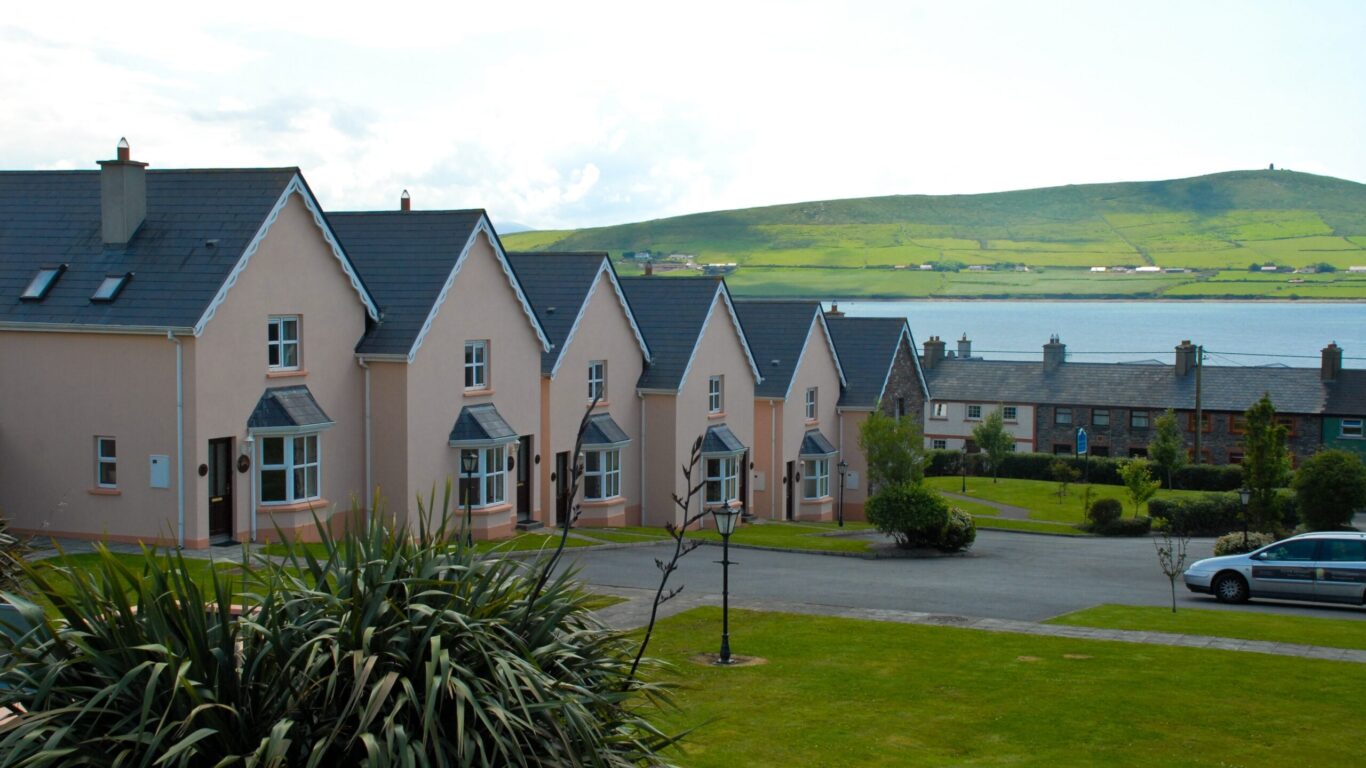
x,y
562,498
523,470
790,486
220,487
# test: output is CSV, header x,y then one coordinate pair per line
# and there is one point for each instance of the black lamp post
x,y
843,467
1244,494
964,464
726,515
469,461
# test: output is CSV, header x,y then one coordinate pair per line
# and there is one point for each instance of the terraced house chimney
x,y
123,196
964,347
405,201
1332,362
834,310
934,351
1185,358
1054,353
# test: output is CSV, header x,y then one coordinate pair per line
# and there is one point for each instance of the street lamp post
x,y
469,461
843,467
964,464
726,516
1244,494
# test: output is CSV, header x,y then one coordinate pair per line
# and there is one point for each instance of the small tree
x,y
894,448
911,513
1065,474
1329,488
1167,449
1266,463
991,436
1139,482
1171,556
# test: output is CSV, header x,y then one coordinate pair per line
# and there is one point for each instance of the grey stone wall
x,y
905,385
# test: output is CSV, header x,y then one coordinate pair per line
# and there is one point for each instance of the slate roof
x,y
670,312
48,218
405,258
557,285
816,444
481,424
287,408
719,439
602,430
1224,388
777,331
866,347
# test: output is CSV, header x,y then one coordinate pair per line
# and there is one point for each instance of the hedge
x,y
1100,469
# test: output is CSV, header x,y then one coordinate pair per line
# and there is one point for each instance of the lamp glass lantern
x,y
726,516
469,461
1244,494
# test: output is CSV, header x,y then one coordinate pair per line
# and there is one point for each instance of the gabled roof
x,y
673,313
559,286
1224,388
481,424
604,431
720,440
202,227
867,348
409,260
816,444
286,409
779,332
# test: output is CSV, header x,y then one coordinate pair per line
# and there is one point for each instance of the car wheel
x,y
1229,588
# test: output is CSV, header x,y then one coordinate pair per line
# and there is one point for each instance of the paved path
x,y
635,612
1007,510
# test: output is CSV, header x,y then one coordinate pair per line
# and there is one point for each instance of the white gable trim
x,y
604,268
830,343
487,230
296,186
722,294
818,319
905,334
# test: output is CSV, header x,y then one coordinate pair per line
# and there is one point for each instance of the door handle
x,y
215,499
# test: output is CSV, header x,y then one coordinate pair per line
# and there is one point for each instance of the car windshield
x,y
1299,549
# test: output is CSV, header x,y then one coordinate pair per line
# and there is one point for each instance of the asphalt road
x,y
1005,575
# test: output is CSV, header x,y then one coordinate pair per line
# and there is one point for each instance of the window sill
x,y
105,492
485,392
607,502
826,499
811,422
293,506
716,414
601,403
939,418
491,509
286,373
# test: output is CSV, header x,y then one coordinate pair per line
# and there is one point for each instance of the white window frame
x,y
603,467
940,411
110,459
477,364
716,394
815,478
1010,413
811,395
597,380
722,478
939,445
293,466
489,478
974,413
280,345
1343,426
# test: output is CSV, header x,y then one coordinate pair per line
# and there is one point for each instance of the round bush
x,y
1232,543
959,533
911,513
1103,512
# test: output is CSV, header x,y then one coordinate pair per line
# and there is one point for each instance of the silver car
x,y
1324,567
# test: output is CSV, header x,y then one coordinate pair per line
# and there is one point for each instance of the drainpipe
x,y
369,482
179,438
641,397
773,458
251,482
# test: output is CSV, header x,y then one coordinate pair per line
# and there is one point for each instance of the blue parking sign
x,y
1081,441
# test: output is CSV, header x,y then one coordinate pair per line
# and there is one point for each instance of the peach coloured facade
x,y
481,305
856,477
604,333
672,422
780,426
77,385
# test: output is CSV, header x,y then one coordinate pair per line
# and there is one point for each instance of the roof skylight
x,y
42,283
110,287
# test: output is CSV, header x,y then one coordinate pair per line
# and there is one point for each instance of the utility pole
x,y
1199,410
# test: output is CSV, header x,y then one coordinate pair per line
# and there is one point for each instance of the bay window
x,y
816,479
602,474
722,479
289,468
488,484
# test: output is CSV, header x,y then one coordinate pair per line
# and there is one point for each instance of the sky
x,y
573,114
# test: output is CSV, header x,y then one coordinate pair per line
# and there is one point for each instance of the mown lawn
x,y
520,542
840,692
1276,628
780,535
1040,497
989,518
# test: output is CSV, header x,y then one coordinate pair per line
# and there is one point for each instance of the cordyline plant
x,y
394,647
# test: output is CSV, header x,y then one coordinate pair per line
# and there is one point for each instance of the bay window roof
x,y
603,432
481,425
720,440
816,444
287,409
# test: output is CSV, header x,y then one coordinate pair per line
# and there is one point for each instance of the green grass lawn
x,y
1040,497
521,542
779,535
840,692
1305,630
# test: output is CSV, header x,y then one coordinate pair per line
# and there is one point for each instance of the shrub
x,y
1232,543
1103,512
395,648
1208,515
1125,526
942,463
1329,487
959,533
1208,477
911,513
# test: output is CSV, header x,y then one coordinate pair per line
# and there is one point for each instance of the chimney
x,y
405,201
834,310
934,351
123,196
964,347
1185,358
1332,362
649,268
1054,353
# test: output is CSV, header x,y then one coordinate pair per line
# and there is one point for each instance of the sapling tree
x,y
1065,474
1139,482
1171,556
991,436
895,449
1167,449
1266,462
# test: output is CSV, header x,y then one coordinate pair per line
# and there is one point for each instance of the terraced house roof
x,y
867,347
778,332
672,312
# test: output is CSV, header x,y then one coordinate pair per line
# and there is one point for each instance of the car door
x,y
1285,570
1341,571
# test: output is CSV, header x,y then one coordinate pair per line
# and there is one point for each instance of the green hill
x,y
1224,221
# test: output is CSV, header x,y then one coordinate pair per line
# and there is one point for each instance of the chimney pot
x,y
964,347
124,150
405,201
649,269
934,351
1185,358
1332,362
1054,353
834,310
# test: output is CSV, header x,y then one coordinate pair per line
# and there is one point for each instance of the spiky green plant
x,y
398,647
